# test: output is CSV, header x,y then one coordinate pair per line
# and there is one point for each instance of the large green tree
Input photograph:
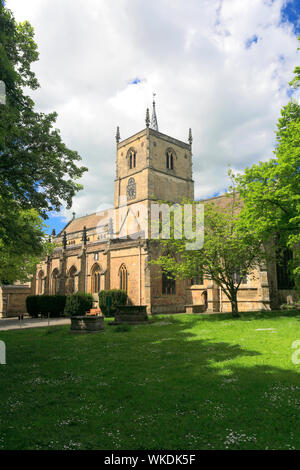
x,y
38,172
271,189
228,255
22,242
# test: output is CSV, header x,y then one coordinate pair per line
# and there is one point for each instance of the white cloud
x,y
193,54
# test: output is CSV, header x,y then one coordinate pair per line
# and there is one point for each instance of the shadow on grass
x,y
216,317
153,387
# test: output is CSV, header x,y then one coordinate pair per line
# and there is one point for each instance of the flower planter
x,y
132,314
87,324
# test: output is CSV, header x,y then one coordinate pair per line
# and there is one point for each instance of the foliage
x,y
118,297
229,251
37,171
32,305
295,83
78,304
22,242
271,190
43,305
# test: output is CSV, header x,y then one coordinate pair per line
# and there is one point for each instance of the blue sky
x,y
220,67
291,13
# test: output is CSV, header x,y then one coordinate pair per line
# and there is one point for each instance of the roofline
x,y
78,218
143,132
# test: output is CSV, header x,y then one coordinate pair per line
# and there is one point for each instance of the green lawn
x,y
181,382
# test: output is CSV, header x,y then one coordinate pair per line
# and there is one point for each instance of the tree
x,y
295,83
271,190
22,242
36,167
38,172
228,255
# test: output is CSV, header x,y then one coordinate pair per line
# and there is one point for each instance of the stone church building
x,y
109,250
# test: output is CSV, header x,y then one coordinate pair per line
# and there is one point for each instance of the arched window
x,y
168,284
41,283
71,280
131,155
55,282
96,278
123,273
170,159
131,189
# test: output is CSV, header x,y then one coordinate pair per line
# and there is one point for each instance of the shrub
x,y
78,304
118,297
32,306
53,305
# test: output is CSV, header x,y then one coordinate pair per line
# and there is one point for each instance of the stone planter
x,y
132,314
87,324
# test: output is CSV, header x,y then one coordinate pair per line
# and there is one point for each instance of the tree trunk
x,y
234,306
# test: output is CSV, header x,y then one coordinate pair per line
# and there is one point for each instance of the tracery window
x,y
131,189
123,273
96,279
168,284
71,280
198,279
55,282
41,283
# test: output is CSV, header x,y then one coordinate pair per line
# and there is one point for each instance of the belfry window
x,y
132,158
123,273
170,159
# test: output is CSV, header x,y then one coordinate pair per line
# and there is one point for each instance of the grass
x,y
181,382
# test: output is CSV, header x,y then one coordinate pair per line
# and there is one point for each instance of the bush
x,y
32,305
78,304
118,297
53,305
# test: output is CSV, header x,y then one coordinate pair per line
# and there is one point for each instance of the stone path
x,y
15,324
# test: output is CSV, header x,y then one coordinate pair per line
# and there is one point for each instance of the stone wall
x,y
13,300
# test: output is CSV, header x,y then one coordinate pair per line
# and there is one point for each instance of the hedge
x,y
43,305
118,297
78,304
32,305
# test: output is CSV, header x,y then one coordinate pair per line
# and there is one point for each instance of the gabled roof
x,y
88,221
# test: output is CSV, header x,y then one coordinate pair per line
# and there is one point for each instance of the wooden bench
x,y
94,312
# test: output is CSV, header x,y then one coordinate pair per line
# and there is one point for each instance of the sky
x,y
221,67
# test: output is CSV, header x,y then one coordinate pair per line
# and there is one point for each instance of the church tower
x,y
153,166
